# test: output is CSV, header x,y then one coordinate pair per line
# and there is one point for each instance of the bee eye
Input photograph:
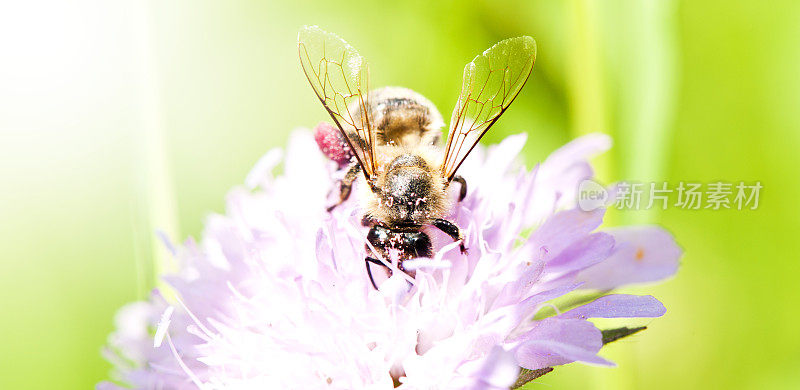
x,y
377,236
422,245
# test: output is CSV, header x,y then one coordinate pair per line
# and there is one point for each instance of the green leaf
x,y
527,375
610,335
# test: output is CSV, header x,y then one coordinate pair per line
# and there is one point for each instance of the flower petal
x,y
584,253
555,341
579,149
261,174
499,369
560,231
618,306
641,254
504,319
556,182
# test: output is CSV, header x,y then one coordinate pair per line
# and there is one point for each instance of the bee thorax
x,y
407,189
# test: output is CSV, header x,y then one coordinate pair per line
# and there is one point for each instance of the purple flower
x,y
276,294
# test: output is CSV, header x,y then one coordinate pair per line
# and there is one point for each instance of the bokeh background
x,y
120,118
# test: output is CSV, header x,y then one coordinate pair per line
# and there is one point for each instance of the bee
x,y
392,136
401,117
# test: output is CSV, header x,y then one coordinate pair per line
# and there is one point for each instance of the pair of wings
x,y
339,77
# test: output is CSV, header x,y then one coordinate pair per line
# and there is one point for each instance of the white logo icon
x,y
591,195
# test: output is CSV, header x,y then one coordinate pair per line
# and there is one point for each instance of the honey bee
x,y
392,136
401,117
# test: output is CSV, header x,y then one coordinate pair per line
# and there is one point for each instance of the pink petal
x,y
641,254
578,150
558,177
560,231
545,353
588,251
555,341
501,321
618,306
499,369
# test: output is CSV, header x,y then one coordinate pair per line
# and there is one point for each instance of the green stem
x,y
155,181
586,89
647,98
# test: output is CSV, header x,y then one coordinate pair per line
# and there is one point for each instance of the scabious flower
x,y
276,293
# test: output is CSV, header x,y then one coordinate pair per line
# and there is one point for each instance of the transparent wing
x,y
338,75
490,83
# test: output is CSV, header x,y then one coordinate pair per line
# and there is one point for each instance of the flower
x,y
276,293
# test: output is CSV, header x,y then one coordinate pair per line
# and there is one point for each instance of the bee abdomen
x,y
404,117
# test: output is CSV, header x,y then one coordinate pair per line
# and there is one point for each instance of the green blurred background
x,y
118,118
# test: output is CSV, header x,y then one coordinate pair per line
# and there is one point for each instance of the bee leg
x,y
451,230
368,260
346,184
463,192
